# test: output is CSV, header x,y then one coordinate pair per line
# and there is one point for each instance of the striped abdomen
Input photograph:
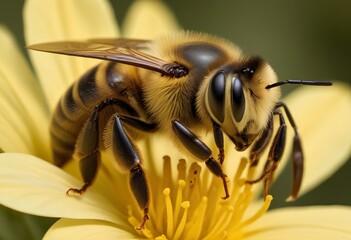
x,y
74,108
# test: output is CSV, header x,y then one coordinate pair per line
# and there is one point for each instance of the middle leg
x,y
201,151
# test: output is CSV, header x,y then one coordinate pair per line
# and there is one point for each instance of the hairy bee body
x,y
147,95
181,84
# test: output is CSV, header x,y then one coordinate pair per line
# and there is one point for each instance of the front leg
x,y
218,136
200,150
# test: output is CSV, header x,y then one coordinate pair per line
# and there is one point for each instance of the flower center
x,y
192,207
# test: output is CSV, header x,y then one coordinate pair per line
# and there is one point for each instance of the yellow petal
x,y
54,20
147,19
24,115
323,116
31,185
319,222
87,229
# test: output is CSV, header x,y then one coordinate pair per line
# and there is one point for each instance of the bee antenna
x,y
300,82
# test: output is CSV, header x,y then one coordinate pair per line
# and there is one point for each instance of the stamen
x,y
167,181
205,182
179,199
158,209
193,188
182,222
227,222
238,208
195,209
169,212
162,237
221,223
251,172
194,227
246,200
259,213
238,182
250,175
214,198
241,167
181,169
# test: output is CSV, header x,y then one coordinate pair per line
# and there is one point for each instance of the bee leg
x,y
261,144
87,150
140,189
200,150
297,154
87,146
275,154
218,136
88,140
125,152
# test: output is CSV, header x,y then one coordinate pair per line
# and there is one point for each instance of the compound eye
x,y
216,94
237,99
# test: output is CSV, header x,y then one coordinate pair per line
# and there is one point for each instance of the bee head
x,y
237,100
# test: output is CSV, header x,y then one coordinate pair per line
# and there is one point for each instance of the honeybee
x,y
180,84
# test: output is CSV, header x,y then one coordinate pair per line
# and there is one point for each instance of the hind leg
x,y
87,146
128,158
124,152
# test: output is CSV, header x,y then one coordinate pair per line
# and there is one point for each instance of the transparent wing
x,y
127,51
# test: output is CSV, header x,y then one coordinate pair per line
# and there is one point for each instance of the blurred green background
x,y
300,39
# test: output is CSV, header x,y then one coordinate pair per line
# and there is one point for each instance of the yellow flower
x,y
186,198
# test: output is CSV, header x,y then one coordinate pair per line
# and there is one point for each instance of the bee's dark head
x,y
238,101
